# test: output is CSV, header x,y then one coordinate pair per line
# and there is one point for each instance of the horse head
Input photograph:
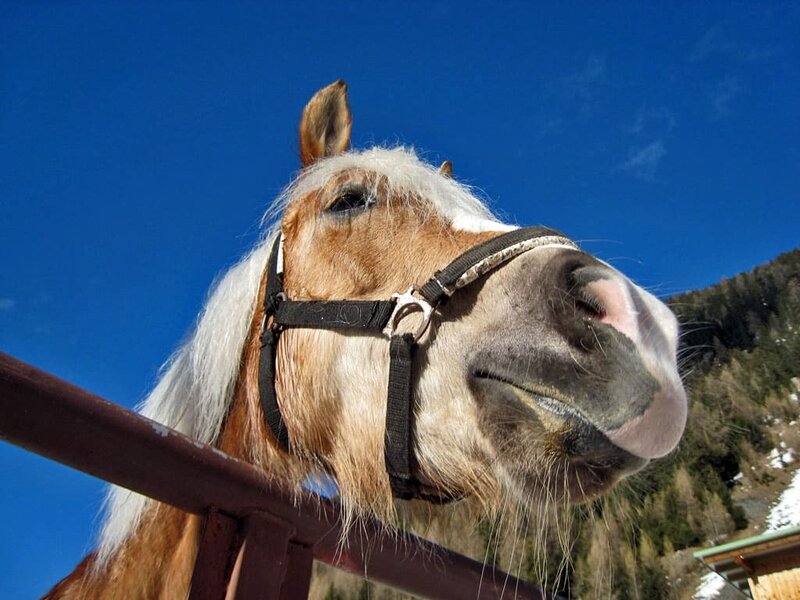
x,y
550,372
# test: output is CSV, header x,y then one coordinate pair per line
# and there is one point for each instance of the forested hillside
x,y
740,351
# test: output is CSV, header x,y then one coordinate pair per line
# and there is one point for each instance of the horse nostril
x,y
581,298
587,305
602,295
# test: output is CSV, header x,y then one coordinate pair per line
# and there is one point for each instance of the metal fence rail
x,y
258,541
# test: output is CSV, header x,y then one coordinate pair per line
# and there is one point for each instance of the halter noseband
x,y
383,317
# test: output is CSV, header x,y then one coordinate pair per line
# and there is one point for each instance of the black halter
x,y
382,317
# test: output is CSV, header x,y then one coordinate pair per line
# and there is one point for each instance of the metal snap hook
x,y
405,304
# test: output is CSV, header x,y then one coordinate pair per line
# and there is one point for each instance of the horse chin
x,y
548,448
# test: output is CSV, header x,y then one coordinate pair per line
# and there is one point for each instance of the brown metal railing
x,y
258,541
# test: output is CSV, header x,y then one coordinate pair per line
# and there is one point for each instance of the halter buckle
x,y
405,304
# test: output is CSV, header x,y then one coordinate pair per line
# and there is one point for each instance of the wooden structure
x,y
763,567
258,541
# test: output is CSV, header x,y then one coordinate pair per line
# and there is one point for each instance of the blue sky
x,y
139,146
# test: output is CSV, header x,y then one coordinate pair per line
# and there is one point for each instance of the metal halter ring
x,y
405,304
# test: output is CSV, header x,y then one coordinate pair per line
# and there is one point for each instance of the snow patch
x,y
786,512
710,586
778,459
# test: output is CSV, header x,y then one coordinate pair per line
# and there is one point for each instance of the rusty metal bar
x,y
56,419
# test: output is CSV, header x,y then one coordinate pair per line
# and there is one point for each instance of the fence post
x,y
298,572
263,558
214,561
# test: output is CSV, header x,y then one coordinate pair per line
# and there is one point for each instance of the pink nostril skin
x,y
618,309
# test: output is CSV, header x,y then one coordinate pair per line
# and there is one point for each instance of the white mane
x,y
195,390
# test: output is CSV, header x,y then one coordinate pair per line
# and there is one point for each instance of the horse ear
x,y
446,169
326,123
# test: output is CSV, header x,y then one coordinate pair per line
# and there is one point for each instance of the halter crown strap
x,y
382,316
269,349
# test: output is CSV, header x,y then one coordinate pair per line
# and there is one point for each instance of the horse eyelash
x,y
351,200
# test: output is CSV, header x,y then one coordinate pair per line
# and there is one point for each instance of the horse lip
x,y
584,439
559,407
594,463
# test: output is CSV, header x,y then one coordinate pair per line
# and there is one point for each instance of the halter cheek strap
x,y
382,317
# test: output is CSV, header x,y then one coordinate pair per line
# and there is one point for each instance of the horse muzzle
x,y
590,360
634,336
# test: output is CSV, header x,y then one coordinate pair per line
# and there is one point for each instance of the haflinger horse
x,y
523,369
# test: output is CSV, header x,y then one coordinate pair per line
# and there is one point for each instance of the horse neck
x,y
155,562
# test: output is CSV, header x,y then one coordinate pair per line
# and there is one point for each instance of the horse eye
x,y
351,200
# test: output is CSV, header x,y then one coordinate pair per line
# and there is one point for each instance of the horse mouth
x,y
549,401
583,462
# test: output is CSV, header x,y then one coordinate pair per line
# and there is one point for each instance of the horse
x,y
527,370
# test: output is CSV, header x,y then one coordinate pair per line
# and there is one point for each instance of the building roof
x,y
753,556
